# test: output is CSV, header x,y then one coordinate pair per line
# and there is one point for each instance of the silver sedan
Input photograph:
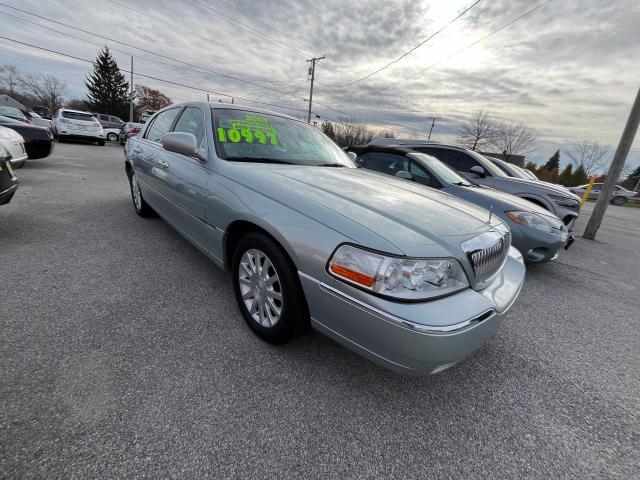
x,y
408,277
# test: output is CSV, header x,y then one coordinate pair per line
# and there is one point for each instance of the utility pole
x,y
312,72
615,169
433,122
208,98
131,94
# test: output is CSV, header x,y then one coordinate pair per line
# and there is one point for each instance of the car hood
x,y
500,201
552,187
413,218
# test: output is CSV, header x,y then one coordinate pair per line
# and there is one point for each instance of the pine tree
x,y
635,174
554,162
108,88
579,177
566,176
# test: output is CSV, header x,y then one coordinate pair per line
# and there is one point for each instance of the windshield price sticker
x,y
252,129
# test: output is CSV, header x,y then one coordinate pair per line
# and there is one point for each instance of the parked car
x,y
13,113
477,168
37,120
510,169
413,279
112,134
38,141
536,232
13,144
128,130
108,121
619,196
77,125
44,112
8,181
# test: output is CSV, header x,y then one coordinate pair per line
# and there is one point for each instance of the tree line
x,y
108,90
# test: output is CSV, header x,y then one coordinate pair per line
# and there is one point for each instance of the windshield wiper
x,y
258,160
465,184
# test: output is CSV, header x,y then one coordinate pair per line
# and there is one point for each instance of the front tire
x,y
619,201
112,137
267,289
141,207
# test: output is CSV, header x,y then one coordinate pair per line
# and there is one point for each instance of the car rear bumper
x,y
81,135
417,338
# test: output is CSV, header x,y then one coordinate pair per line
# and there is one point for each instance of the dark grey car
x,y
128,130
477,168
406,276
536,232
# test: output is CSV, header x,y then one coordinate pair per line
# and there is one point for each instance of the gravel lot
x,y
123,356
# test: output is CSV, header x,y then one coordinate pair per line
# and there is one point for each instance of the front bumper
x,y
414,338
536,246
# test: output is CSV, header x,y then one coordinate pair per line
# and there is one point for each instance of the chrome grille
x,y
487,253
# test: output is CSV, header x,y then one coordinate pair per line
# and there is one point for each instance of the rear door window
x,y
383,162
161,125
104,118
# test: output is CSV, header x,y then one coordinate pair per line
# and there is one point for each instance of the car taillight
x,y
133,132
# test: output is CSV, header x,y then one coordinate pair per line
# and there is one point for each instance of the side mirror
x,y
181,142
478,171
352,156
404,175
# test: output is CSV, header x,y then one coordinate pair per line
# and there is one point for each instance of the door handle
x,y
163,163
136,150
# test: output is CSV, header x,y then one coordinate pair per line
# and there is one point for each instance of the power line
x,y
183,85
520,17
249,82
397,59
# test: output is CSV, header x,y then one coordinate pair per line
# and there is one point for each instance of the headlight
x,y
565,201
534,220
398,277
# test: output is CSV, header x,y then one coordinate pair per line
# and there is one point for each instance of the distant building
x,y
144,113
7,101
515,159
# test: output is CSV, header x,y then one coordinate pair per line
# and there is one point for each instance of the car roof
x,y
401,141
74,111
380,148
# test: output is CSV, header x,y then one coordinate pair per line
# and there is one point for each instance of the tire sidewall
x,y
294,315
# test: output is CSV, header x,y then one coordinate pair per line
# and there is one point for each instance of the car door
x,y
147,154
184,179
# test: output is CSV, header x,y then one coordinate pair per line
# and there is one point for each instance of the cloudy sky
x,y
569,70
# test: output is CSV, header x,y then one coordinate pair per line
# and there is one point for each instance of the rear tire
x,y
141,207
619,201
267,289
112,137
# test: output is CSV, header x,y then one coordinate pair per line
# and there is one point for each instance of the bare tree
x,y
46,88
384,133
590,156
9,79
512,139
350,132
477,131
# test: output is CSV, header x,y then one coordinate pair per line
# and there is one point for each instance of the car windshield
x,y
445,173
11,112
248,136
79,116
510,168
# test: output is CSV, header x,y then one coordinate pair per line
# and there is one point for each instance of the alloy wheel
x,y
260,288
135,189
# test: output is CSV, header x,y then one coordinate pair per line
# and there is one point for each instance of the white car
x,y
77,125
619,196
13,142
111,134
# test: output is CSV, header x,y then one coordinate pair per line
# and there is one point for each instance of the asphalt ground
x,y
123,356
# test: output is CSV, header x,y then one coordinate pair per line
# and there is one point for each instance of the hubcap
x,y
135,189
260,288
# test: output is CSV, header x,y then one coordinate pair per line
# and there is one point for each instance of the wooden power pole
x,y
312,72
615,170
